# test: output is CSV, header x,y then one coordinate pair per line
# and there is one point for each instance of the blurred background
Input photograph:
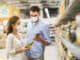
x,y
8,8
51,11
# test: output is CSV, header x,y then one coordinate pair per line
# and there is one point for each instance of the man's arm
x,y
45,39
46,34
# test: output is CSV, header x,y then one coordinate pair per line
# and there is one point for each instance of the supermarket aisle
x,y
51,53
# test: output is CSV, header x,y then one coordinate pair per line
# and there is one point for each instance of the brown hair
x,y
35,9
11,21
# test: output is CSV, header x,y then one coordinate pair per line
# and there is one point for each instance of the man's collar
x,y
35,22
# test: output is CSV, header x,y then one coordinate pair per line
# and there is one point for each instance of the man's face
x,y
34,16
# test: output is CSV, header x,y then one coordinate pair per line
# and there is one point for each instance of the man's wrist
x,y
41,40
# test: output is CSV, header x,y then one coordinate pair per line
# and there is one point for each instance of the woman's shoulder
x,y
10,35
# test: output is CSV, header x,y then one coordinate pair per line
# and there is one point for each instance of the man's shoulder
x,y
44,23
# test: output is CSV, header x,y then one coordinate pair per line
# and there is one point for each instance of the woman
x,y
14,45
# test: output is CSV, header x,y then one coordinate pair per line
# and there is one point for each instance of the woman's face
x,y
16,25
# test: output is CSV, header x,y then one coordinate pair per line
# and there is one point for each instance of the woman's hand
x,y
23,49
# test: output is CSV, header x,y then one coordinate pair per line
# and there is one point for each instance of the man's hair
x,y
35,9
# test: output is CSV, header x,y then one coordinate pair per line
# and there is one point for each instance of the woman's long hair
x,y
11,21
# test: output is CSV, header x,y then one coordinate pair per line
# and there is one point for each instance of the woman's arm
x,y
10,46
23,49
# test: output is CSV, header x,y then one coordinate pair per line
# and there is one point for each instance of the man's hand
x,y
37,37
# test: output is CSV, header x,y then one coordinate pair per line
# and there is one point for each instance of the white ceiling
x,y
24,4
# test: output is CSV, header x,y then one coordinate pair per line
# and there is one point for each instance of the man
x,y
38,33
